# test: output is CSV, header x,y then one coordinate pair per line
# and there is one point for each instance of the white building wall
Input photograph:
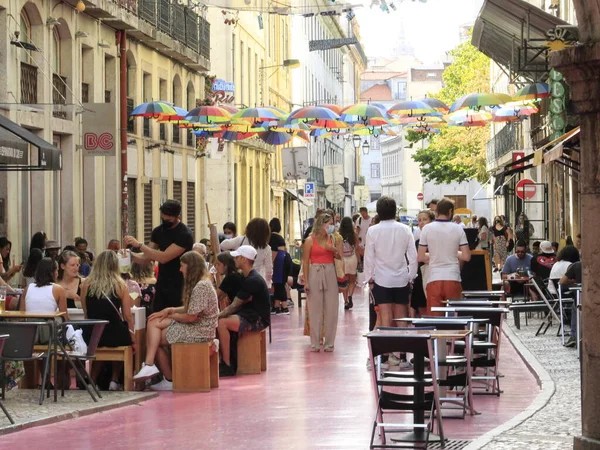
x,y
481,208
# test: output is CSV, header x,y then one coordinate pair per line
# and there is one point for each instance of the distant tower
x,y
401,45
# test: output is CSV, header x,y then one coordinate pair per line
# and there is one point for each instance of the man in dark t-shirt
x,y
542,264
169,241
250,310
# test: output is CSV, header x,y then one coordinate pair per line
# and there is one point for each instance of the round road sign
x,y
526,189
420,196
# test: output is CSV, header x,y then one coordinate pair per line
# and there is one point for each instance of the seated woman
x,y
104,296
195,321
232,279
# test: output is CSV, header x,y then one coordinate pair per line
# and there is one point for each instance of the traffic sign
x,y
309,190
526,189
335,194
420,196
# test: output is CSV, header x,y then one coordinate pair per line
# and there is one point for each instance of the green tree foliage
x,y
457,153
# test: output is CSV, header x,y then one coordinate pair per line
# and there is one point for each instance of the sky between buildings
x,y
430,28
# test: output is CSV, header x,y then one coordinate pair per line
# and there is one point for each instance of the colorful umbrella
x,y
230,109
513,111
153,109
261,114
533,92
426,130
208,115
476,101
237,136
276,137
302,135
411,108
180,114
329,124
469,118
335,108
313,113
436,104
367,114
421,119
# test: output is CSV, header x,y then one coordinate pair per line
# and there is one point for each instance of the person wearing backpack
x,y
350,255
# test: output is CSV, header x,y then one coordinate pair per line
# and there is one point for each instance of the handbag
x,y
122,323
340,271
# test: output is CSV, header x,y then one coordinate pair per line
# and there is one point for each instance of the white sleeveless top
x,y
40,299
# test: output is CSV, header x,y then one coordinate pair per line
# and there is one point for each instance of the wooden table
x,y
419,370
51,319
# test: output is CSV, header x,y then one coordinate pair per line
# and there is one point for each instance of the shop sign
x,y
10,155
100,129
222,92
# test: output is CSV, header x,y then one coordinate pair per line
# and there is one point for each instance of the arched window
x,y
25,35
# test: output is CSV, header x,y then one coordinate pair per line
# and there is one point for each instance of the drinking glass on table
x,y
2,299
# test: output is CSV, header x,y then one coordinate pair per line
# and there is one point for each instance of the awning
x,y
561,152
294,194
513,34
16,144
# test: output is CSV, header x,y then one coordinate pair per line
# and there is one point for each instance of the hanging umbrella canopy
x,y
282,114
421,119
237,136
276,137
367,114
153,109
429,130
302,135
335,108
476,101
230,109
469,118
436,104
517,108
533,92
245,128
208,115
260,114
329,124
313,113
180,114
411,108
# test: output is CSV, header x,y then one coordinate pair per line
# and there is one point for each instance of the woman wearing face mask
x,y
319,252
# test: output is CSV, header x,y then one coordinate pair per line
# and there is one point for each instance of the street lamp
x,y
356,140
365,148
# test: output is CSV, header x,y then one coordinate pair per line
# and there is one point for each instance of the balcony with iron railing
x,y
59,94
29,85
316,175
503,142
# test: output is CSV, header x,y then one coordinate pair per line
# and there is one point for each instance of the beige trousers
x,y
323,304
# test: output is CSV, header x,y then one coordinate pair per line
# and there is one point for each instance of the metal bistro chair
x,y
419,433
19,347
90,355
3,339
552,303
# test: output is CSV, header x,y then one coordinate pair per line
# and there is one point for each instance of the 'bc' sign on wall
x,y
100,129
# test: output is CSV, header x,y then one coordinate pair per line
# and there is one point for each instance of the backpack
x,y
347,249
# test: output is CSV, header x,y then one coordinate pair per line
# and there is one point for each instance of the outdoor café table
x,y
482,303
419,369
577,290
483,294
51,319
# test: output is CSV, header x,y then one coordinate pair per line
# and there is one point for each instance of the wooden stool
x,y
252,352
195,367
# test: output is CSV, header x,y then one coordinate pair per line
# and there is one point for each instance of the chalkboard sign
x,y
476,274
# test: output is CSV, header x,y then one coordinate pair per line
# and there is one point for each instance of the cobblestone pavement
x,y
23,406
555,424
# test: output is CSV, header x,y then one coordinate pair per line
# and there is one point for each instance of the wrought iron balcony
x,y
503,142
28,84
59,94
316,175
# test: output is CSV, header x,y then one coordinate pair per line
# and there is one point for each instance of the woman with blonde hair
x,y
195,321
319,252
104,296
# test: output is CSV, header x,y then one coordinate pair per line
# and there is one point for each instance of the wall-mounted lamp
x,y
365,148
150,147
131,141
51,21
168,150
103,44
81,34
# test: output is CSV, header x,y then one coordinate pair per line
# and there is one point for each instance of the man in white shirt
x,y
362,224
442,244
473,223
389,245
458,221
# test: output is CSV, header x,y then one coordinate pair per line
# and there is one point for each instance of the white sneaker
x,y
114,386
405,365
146,372
393,360
164,385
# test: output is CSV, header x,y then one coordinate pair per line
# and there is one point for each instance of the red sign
x,y
516,156
526,189
93,141
420,196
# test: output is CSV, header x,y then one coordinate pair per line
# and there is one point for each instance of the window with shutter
x,y
190,207
177,191
132,206
147,212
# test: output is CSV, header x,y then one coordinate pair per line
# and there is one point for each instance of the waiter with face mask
x,y
169,241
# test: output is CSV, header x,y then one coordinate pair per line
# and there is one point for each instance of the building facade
x,y
56,64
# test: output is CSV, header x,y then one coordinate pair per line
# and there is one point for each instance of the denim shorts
x,y
251,325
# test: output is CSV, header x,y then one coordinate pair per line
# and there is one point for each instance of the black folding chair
x,y
419,433
77,360
3,339
19,347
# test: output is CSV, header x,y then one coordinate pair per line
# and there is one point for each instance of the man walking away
x,y
390,264
442,244
362,226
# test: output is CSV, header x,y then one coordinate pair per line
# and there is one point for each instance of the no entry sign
x,y
526,189
420,196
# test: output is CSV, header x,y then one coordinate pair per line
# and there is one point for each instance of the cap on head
x,y
50,245
247,251
171,208
546,247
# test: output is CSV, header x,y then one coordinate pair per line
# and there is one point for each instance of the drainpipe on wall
x,y
122,40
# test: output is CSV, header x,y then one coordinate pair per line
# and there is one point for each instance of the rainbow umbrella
x,y
153,109
208,115
282,114
436,104
421,119
275,137
411,108
313,113
469,118
428,130
180,114
302,135
335,108
367,114
329,124
260,114
476,101
230,109
237,135
513,111
245,127
533,92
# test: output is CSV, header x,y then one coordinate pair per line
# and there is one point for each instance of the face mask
x,y
167,223
330,229
228,236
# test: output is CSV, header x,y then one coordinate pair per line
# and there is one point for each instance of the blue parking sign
x,y
309,190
